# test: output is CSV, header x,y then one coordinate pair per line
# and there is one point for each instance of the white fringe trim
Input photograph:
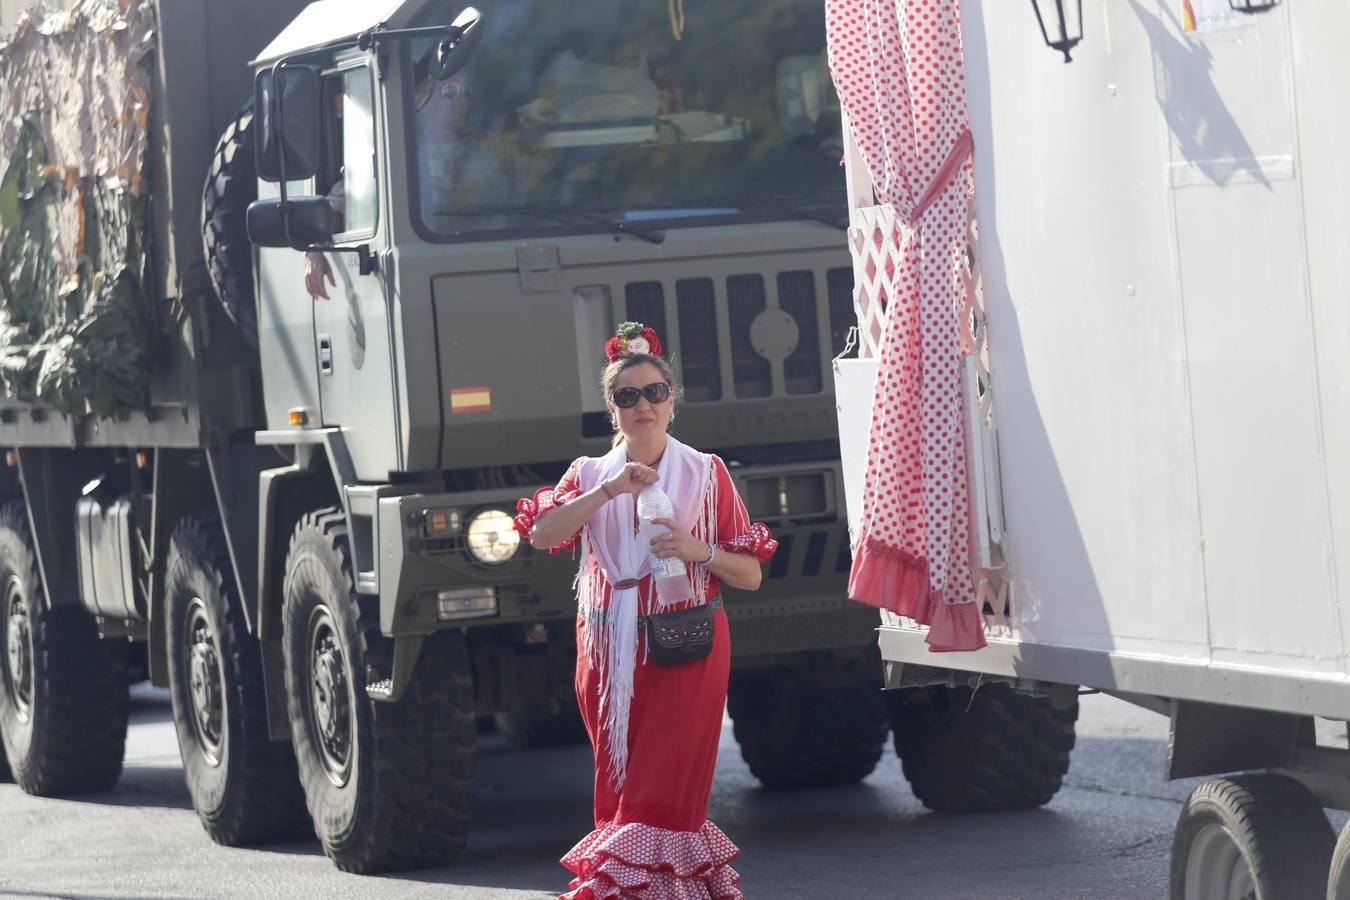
x,y
610,640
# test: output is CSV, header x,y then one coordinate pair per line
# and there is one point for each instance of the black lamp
x,y
1253,6
1065,21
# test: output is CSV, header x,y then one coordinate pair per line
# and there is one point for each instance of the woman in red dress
x,y
654,728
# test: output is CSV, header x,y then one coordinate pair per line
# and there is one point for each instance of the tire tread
x,y
992,750
81,681
422,748
1288,840
265,802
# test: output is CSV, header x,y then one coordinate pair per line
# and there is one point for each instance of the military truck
x,y
302,508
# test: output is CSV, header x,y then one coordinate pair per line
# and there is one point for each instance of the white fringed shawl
x,y
612,553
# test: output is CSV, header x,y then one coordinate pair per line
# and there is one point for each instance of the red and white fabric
x,y
652,836
899,70
637,860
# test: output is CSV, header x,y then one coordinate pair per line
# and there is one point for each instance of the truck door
x,y
351,329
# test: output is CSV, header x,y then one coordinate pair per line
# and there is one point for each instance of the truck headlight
x,y
492,537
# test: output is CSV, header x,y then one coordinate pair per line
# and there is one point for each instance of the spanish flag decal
x,y
470,400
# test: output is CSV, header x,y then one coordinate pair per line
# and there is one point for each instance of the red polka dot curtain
x,y
899,71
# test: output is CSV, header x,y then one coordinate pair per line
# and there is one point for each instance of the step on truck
x,y
300,509
1156,423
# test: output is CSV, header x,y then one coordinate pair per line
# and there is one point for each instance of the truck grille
x,y
716,353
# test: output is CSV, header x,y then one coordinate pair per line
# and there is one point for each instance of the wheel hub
x,y
330,699
1215,867
204,681
18,650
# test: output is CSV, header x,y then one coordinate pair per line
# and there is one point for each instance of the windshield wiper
x,y
783,207
569,217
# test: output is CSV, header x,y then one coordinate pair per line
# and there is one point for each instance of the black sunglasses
x,y
627,397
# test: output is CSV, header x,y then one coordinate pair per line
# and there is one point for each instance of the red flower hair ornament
x,y
632,338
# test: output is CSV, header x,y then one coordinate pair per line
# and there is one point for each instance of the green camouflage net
x,y
79,344
77,328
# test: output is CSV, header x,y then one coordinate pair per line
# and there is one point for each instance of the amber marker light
x,y
298,416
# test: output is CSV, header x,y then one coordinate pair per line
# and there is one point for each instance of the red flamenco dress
x,y
652,836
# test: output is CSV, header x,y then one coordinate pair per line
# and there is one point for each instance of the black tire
x,y
989,750
231,185
1269,822
795,734
535,724
244,786
5,776
1338,884
63,692
388,784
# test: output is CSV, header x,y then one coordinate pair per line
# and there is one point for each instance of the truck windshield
x,y
644,115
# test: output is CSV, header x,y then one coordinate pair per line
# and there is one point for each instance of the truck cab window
x,y
629,119
349,178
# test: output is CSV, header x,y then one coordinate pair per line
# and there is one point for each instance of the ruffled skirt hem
x,y
634,860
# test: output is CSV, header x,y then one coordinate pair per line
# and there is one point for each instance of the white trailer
x,y
1159,428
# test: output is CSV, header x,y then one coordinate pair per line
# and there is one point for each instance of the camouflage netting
x,y
76,324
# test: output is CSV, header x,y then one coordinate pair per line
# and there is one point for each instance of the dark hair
x,y
611,378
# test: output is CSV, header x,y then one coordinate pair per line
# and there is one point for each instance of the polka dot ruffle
x,y
637,860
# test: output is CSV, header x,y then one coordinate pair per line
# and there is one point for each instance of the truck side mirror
x,y
454,51
312,222
286,104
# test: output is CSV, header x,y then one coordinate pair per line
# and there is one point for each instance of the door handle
x,y
325,354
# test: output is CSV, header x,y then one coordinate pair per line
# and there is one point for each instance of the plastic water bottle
x,y
672,579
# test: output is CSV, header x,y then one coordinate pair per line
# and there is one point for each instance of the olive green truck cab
x,y
307,523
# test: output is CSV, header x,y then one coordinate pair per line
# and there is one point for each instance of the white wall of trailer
x,y
1165,245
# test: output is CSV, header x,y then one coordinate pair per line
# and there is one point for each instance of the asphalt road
x,y
1106,835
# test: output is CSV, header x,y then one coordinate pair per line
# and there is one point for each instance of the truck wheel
x,y
231,185
64,699
988,750
535,724
388,784
244,786
1259,836
795,734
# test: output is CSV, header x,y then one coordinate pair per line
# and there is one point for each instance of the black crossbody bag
x,y
682,635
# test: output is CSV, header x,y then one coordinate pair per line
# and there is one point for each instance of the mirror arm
x,y
366,262
378,35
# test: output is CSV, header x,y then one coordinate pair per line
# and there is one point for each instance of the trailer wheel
x,y
795,734
1259,836
231,185
244,786
1338,885
388,784
4,762
988,750
535,724
63,694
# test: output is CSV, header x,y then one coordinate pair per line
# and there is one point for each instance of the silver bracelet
x,y
712,551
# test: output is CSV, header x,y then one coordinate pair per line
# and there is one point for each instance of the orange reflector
x,y
439,521
12,458
142,459
298,416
